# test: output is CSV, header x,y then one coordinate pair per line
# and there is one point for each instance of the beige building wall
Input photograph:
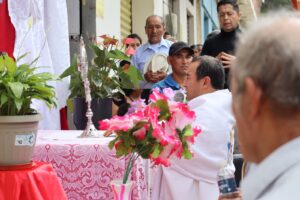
x,y
187,22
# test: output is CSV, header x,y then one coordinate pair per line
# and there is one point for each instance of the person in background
x,y
266,103
197,48
137,41
132,45
222,45
213,33
122,103
180,57
155,29
197,178
168,36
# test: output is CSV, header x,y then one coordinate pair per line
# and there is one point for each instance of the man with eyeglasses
x,y
222,45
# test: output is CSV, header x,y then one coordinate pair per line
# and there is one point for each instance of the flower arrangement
x,y
157,131
106,77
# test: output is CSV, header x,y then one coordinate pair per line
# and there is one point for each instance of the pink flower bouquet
x,y
157,131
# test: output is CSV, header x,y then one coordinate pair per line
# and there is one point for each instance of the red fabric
x,y
63,119
34,183
7,30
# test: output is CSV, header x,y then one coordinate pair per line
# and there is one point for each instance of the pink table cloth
x,y
86,166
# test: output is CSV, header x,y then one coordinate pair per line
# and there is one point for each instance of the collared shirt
x,y
146,52
168,82
277,177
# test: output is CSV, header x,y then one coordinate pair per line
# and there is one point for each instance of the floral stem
x,y
128,168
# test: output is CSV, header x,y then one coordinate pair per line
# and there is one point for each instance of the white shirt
x,y
277,177
145,52
197,178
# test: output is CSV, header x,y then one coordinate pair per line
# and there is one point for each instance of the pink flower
x,y
196,131
156,95
169,93
159,131
137,105
130,51
117,144
181,115
123,123
128,41
141,133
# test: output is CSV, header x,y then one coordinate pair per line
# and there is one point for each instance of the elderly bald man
x,y
266,103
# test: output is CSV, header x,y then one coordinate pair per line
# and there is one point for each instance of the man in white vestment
x,y
196,179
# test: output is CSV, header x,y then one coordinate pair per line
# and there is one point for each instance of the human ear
x,y
206,82
254,98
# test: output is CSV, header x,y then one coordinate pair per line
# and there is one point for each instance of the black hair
x,y
196,46
213,68
123,109
234,4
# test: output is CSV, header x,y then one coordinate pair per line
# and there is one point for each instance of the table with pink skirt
x,y
86,166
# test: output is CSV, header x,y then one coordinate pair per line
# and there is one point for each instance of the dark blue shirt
x,y
168,82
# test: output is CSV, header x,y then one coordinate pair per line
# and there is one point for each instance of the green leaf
x,y
3,99
10,65
70,70
126,82
2,64
96,49
187,131
187,154
111,144
117,54
164,109
22,56
16,88
134,75
34,61
122,150
70,105
156,150
45,90
18,103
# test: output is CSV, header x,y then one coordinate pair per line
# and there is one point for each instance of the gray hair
x,y
155,16
269,53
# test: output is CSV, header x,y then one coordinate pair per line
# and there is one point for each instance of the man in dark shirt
x,y
222,45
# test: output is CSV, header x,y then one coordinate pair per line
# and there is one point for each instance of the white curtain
x,y
46,38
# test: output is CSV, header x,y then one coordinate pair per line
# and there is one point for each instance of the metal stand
x,y
90,130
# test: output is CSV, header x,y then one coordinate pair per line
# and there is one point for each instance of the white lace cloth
x,y
46,39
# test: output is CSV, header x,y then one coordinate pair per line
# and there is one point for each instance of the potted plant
x,y
107,80
19,85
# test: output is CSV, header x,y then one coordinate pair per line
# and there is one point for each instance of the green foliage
x,y
107,78
20,84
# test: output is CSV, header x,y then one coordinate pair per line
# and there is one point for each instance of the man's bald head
x,y
269,52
